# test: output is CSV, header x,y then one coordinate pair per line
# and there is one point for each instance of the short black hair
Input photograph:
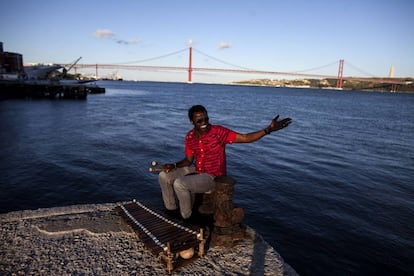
x,y
195,109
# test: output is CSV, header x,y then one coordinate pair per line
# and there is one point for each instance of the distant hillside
x,y
366,85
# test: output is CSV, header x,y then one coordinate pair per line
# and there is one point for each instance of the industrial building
x,y
11,65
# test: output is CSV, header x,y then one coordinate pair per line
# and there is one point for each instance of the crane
x,y
65,71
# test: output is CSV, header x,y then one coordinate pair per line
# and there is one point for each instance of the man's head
x,y
199,117
196,109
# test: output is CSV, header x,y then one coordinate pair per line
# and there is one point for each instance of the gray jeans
x,y
183,182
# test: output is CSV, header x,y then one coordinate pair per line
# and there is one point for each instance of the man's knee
x,y
164,178
179,185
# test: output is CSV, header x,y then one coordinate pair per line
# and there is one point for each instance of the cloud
x,y
224,45
127,42
108,34
103,33
191,42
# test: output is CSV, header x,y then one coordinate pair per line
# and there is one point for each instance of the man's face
x,y
200,121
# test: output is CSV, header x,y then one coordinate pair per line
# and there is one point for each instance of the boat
x,y
40,71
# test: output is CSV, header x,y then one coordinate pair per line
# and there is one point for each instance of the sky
x,y
269,35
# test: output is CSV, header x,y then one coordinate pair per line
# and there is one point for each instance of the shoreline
x,y
93,239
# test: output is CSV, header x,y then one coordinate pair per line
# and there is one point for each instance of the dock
x,y
94,239
46,90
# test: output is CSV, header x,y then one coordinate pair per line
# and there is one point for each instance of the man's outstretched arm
x,y
254,136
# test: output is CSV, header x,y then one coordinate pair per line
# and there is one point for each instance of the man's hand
x,y
276,125
169,167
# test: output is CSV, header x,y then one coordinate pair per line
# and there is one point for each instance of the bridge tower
x,y
190,65
340,74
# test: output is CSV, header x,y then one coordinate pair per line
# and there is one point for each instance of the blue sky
x,y
284,36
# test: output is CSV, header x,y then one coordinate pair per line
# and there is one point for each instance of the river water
x,y
332,193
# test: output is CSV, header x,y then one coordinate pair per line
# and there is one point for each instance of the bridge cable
x,y
316,68
360,70
222,61
150,59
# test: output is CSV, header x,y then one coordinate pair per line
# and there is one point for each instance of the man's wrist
x,y
267,131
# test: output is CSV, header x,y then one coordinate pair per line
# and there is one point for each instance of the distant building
x,y
11,64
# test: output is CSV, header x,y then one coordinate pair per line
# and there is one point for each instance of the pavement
x,y
94,240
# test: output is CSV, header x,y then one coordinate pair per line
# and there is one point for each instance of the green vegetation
x,y
366,85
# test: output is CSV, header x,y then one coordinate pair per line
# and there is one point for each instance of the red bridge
x,y
190,69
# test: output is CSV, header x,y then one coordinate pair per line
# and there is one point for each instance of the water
x,y
332,193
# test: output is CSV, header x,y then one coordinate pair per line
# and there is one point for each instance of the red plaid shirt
x,y
209,151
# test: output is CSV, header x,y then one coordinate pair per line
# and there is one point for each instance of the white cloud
x,y
191,42
103,33
224,45
106,33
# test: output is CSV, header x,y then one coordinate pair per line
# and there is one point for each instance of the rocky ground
x,y
94,240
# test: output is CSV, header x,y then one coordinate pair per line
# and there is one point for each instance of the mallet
x,y
156,167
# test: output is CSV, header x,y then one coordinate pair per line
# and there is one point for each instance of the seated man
x,y
205,146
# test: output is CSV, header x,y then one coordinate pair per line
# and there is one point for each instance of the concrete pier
x,y
94,240
46,90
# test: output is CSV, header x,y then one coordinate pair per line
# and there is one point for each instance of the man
x,y
204,145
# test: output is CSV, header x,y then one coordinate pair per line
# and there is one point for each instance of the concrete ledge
x,y
93,239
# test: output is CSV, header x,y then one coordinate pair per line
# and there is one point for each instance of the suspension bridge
x,y
190,69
